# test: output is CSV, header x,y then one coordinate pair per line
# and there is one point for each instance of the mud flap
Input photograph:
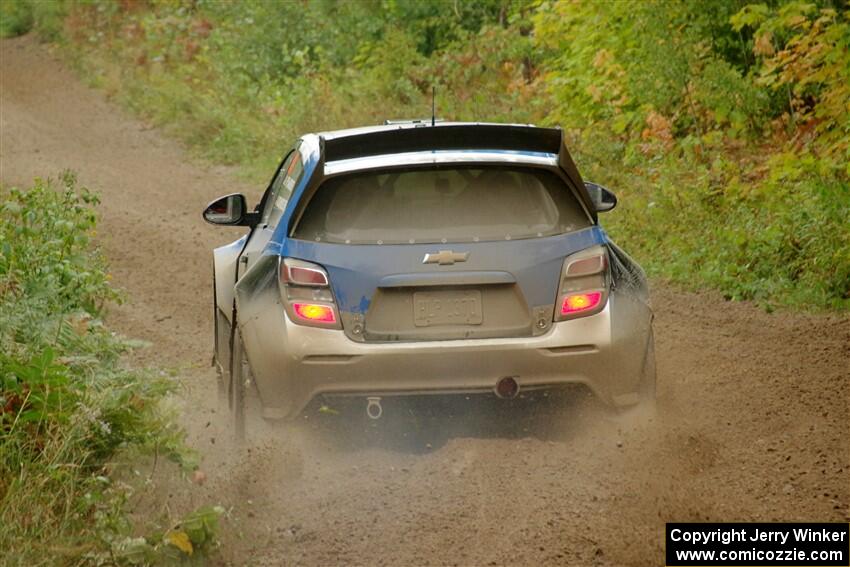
x,y
645,392
236,397
648,379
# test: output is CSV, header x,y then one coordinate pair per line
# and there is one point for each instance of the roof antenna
x,y
433,111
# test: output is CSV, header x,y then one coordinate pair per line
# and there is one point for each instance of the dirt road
x,y
752,421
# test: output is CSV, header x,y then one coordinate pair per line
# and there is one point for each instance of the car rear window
x,y
433,205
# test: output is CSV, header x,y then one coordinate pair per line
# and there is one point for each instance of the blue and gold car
x,y
427,259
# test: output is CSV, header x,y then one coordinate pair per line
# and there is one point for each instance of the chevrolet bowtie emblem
x,y
445,257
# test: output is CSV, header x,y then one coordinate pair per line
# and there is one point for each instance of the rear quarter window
x,y
468,204
284,182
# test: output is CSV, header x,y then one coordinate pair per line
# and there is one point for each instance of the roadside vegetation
x,y
723,126
76,421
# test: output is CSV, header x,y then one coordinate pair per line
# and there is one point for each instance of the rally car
x,y
426,258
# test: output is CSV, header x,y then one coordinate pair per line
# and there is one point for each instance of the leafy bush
x,y
727,131
68,406
18,17
15,18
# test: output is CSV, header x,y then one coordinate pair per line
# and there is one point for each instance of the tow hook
x,y
373,407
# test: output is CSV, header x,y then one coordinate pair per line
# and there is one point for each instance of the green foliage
x,y
18,17
726,132
69,409
190,539
725,123
44,248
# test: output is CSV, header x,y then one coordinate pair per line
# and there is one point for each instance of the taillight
x,y
314,312
583,289
306,294
578,302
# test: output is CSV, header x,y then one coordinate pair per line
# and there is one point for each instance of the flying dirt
x,y
751,424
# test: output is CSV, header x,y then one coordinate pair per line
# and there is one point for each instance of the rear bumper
x,y
292,364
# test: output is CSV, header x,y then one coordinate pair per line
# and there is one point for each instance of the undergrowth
x,y
75,419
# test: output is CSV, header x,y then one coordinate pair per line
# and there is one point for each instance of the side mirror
x,y
230,210
603,199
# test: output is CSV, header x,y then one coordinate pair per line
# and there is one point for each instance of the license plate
x,y
447,308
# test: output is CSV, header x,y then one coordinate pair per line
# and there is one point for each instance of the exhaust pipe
x,y
507,387
373,407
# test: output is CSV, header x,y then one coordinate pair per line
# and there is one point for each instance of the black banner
x,y
760,545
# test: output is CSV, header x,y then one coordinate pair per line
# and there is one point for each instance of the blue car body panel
x,y
356,271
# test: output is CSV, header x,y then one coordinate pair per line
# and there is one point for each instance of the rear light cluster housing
x,y
306,293
583,289
308,299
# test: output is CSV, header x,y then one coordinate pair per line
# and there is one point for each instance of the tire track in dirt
x,y
752,422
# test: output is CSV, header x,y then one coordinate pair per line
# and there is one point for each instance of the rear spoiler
x,y
398,138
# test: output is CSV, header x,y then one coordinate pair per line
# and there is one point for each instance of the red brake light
x,y
577,302
315,313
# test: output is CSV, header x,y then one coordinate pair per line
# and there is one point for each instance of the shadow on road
x,y
420,424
